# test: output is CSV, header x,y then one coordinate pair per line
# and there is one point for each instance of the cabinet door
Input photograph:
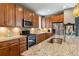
x,y
4,51
14,50
40,38
19,15
23,44
30,15
35,21
26,14
1,14
23,48
43,37
61,18
47,23
10,14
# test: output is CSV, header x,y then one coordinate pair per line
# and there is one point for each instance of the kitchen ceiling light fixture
x,y
64,7
48,10
76,10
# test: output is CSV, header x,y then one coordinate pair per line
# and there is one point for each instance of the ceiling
x,y
48,8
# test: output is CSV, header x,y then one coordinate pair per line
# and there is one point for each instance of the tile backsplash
x,y
15,31
6,31
37,30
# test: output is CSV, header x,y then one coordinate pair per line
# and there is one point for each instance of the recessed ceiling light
x,y
48,9
64,7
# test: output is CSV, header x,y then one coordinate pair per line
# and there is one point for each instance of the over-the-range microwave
x,y
27,23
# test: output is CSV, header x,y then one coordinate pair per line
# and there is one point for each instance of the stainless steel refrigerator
x,y
58,28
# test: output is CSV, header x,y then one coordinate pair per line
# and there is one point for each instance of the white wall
x,y
68,16
39,22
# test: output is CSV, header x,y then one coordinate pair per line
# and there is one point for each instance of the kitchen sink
x,y
56,40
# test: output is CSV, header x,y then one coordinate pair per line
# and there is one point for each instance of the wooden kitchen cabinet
x,y
35,21
7,14
62,18
4,48
30,15
25,14
54,19
10,14
2,6
19,15
46,22
43,36
57,18
13,47
14,50
23,44
4,51
40,38
47,35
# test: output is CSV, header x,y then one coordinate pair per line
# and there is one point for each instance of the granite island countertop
x,y
53,49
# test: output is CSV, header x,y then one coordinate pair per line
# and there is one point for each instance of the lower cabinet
x,y
13,47
23,46
42,37
4,51
47,35
14,50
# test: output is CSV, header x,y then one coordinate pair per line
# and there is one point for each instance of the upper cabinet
x,y
25,14
57,18
2,6
19,15
35,21
10,15
28,15
46,22
62,18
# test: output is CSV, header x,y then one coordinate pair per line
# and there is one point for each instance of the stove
x,y
31,37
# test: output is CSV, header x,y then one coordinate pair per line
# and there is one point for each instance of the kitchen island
x,y
53,49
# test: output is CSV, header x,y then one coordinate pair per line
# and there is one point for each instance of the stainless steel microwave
x,y
27,23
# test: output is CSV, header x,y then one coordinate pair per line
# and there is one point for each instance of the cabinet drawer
x,y
23,42
22,45
15,41
3,44
22,39
22,49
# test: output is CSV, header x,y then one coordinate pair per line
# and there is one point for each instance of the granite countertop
x,y
41,33
10,38
53,49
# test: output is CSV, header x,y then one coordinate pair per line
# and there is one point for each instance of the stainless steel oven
x,y
31,40
31,37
